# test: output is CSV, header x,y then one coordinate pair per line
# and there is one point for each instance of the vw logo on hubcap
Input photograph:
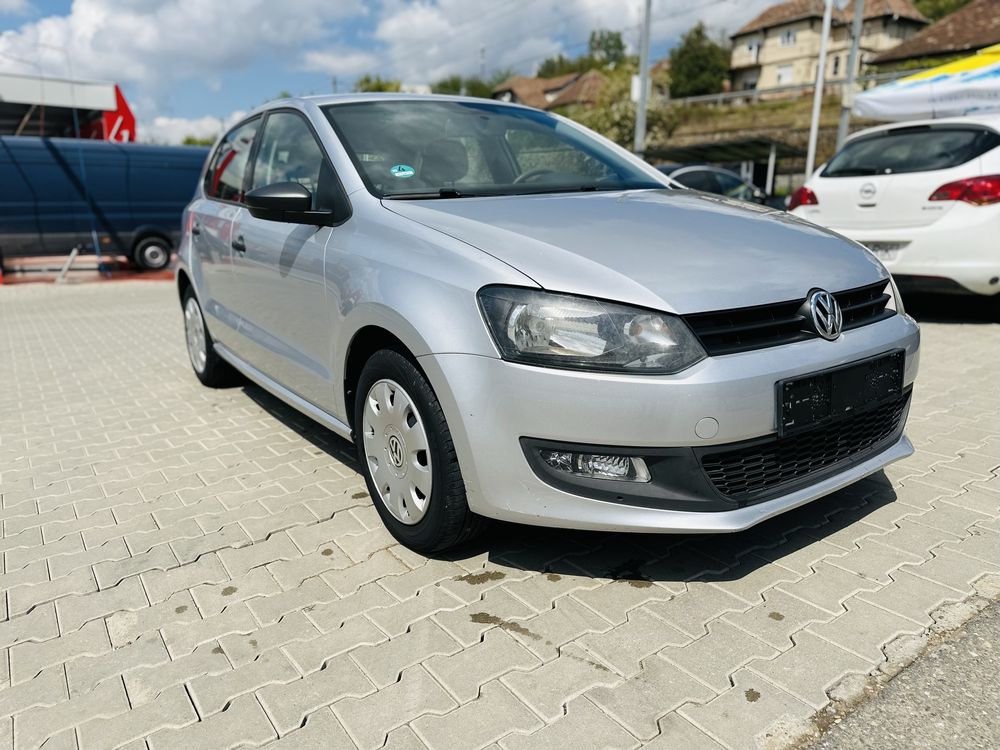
x,y
827,317
394,448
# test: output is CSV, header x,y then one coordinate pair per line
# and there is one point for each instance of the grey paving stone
x,y
494,714
243,723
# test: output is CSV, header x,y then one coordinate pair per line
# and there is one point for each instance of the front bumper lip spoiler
x,y
741,519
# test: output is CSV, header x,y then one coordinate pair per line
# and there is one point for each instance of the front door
x,y
285,324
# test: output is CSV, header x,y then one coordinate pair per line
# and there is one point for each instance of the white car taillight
x,y
977,191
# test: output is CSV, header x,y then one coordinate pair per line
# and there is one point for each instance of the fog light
x,y
596,466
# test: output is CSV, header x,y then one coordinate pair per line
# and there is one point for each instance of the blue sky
x,y
187,65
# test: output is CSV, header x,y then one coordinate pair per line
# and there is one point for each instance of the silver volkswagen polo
x,y
511,317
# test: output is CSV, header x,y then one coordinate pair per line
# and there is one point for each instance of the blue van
x,y
56,193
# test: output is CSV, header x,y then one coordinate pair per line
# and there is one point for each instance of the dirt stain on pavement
x,y
253,643
752,695
217,650
553,577
327,552
359,495
476,578
229,591
485,618
629,572
181,609
776,616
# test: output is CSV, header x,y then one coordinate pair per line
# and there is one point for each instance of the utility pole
x,y
639,146
482,62
818,93
847,95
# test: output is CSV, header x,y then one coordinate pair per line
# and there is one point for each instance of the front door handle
x,y
238,245
196,229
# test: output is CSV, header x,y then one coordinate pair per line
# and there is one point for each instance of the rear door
x,y
280,294
884,180
211,216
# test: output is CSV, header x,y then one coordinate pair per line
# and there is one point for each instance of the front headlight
x,y
562,330
895,301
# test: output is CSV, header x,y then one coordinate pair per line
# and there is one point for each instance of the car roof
x,y
988,119
322,100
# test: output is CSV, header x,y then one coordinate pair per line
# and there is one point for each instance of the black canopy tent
x,y
745,151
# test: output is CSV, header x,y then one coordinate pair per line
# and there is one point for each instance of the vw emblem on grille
x,y
827,318
867,191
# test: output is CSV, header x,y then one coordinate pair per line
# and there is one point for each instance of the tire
x,y
208,366
422,499
152,254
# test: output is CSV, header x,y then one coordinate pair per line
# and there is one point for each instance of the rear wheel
x,y
408,458
152,254
208,366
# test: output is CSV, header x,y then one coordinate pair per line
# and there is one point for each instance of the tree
x,y
606,46
458,86
368,82
605,50
935,9
194,140
698,65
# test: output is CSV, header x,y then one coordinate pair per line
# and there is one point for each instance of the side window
x,y
734,187
288,153
700,179
224,178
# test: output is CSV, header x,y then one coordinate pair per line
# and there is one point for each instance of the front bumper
x,y
491,404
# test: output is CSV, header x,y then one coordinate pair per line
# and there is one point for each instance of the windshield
x,y
451,149
918,149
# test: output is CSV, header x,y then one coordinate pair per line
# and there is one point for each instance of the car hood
x,y
673,250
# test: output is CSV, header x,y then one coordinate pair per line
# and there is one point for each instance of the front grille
x,y
766,468
747,328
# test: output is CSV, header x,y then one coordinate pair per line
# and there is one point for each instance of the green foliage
x,y
935,9
613,115
606,46
606,50
369,82
698,65
457,85
193,140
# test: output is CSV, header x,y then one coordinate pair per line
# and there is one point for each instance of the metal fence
x,y
776,92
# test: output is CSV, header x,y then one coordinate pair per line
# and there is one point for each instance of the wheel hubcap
x,y
397,452
154,255
194,329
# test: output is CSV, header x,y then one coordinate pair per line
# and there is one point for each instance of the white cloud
x,y
13,6
429,39
176,129
347,63
156,43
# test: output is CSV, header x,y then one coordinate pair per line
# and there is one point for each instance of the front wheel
x,y
408,458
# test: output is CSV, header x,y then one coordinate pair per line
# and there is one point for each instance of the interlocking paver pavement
x,y
183,567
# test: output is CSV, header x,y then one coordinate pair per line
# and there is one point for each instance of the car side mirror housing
x,y
292,203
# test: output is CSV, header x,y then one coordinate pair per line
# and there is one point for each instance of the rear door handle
x,y
238,245
196,229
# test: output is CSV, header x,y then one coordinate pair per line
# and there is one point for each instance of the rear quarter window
x,y
904,150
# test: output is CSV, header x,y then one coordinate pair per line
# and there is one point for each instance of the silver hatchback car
x,y
511,317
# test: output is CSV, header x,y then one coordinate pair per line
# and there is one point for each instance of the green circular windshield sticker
x,y
402,170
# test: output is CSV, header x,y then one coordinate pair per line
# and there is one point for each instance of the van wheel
x,y
152,254
408,458
211,369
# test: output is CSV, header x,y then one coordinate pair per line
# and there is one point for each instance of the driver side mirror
x,y
288,202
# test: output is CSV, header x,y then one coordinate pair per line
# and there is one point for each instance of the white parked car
x,y
923,196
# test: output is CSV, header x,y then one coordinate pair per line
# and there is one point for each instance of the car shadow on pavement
x,y
678,558
638,558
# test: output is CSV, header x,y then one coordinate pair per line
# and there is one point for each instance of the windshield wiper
x,y
442,193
